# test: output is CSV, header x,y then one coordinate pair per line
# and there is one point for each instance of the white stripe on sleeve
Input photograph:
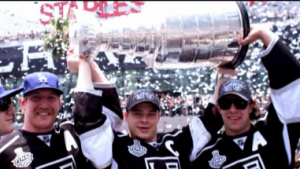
x,y
287,105
97,145
199,135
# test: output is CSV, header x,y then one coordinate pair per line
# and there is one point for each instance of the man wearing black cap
x,y
142,148
40,144
272,140
7,110
142,115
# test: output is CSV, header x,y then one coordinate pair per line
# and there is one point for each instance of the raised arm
x,y
284,76
95,132
111,104
208,124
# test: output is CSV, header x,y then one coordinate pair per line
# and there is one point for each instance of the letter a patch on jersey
x,y
23,159
137,149
217,160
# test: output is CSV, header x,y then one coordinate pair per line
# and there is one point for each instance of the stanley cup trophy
x,y
167,35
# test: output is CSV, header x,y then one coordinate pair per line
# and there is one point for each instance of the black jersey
x,y
59,148
105,147
272,140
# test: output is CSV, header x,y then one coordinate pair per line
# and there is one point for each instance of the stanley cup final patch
x,y
217,160
23,159
137,149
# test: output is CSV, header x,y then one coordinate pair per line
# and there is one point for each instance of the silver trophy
x,y
168,35
83,29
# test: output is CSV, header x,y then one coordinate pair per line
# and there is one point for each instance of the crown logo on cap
x,y
233,86
143,95
42,78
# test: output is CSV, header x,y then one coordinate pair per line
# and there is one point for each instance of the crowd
x,y
23,36
221,136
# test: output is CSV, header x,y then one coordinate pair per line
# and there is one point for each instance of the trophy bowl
x,y
168,35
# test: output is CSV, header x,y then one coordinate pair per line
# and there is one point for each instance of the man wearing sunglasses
x,y
7,110
272,140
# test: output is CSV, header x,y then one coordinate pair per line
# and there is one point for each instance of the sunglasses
x,y
239,103
4,103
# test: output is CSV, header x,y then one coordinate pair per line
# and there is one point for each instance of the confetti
x,y
130,73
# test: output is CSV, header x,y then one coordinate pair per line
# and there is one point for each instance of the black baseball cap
x,y
142,95
236,87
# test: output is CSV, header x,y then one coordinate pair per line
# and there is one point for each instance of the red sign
x,y
101,5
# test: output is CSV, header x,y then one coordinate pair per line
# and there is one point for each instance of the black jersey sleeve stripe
x,y
282,66
87,112
284,76
111,101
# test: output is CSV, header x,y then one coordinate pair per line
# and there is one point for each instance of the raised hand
x,y
258,32
72,61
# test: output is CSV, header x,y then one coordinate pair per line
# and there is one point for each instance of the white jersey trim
x,y
114,164
286,102
63,123
212,101
287,105
104,85
171,135
270,47
90,91
245,159
57,161
200,136
116,121
98,143
9,143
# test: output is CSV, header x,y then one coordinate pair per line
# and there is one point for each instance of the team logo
x,y
233,86
23,159
217,160
144,95
137,149
46,139
42,78
240,141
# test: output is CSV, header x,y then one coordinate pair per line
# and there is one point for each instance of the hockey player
x,y
40,144
7,110
272,140
142,148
